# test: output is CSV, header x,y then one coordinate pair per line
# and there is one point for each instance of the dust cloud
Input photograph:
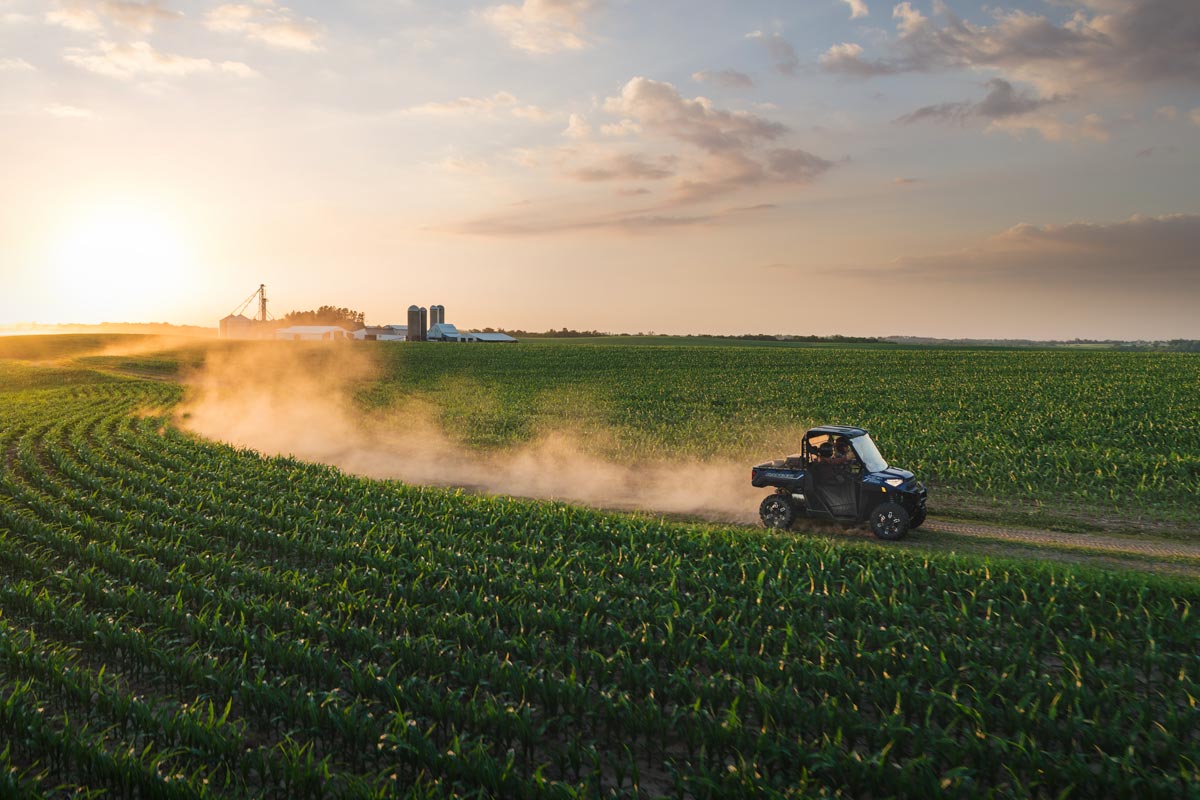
x,y
288,398
134,345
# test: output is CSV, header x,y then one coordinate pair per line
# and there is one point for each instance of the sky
x,y
858,167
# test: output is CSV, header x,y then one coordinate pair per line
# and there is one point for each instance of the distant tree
x,y
563,333
327,315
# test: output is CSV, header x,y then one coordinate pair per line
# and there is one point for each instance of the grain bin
x,y
415,331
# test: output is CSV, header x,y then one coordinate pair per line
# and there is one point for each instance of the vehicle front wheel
x,y
777,511
889,521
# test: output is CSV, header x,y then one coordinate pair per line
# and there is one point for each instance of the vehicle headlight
x,y
894,481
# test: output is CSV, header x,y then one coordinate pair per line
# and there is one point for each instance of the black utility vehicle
x,y
840,475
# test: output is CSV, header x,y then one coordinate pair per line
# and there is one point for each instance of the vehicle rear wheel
x,y
777,511
917,518
890,521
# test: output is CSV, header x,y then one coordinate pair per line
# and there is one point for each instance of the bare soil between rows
x,y
1155,548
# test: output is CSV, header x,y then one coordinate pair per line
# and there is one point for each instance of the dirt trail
x,y
615,493
1111,544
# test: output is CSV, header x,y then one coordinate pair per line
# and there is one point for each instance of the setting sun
x,y
117,255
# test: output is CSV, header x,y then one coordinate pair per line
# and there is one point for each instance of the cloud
x,y
1194,116
127,61
91,15
659,107
732,143
618,130
1139,255
541,27
795,165
16,65
265,22
847,59
783,56
725,78
464,166
858,8
1169,113
481,107
1008,110
1054,129
141,17
577,128
719,174
641,223
703,151
76,18
729,150
627,166
1130,43
905,181
511,227
466,105
531,113
62,111
1002,100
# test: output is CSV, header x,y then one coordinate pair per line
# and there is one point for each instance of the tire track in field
x,y
1109,544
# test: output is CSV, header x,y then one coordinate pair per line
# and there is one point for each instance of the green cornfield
x,y
180,618
1090,432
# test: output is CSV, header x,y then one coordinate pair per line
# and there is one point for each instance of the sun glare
x,y
119,260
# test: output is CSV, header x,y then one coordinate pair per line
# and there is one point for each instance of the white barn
x,y
313,333
382,333
445,332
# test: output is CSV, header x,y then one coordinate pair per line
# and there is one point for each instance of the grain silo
x,y
437,315
424,323
415,330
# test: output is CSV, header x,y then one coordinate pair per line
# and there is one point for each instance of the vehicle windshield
x,y
868,453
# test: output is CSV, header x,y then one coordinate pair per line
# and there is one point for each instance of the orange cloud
x,y
267,23
540,27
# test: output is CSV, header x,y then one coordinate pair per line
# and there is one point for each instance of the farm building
x,y
488,337
382,333
446,332
313,333
442,332
423,325
239,326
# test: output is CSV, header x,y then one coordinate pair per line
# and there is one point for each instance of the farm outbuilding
x,y
442,332
446,332
239,326
313,333
382,333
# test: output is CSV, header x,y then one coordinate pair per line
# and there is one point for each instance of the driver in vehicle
x,y
840,453
843,453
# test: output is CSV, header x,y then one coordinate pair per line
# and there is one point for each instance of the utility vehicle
x,y
840,475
